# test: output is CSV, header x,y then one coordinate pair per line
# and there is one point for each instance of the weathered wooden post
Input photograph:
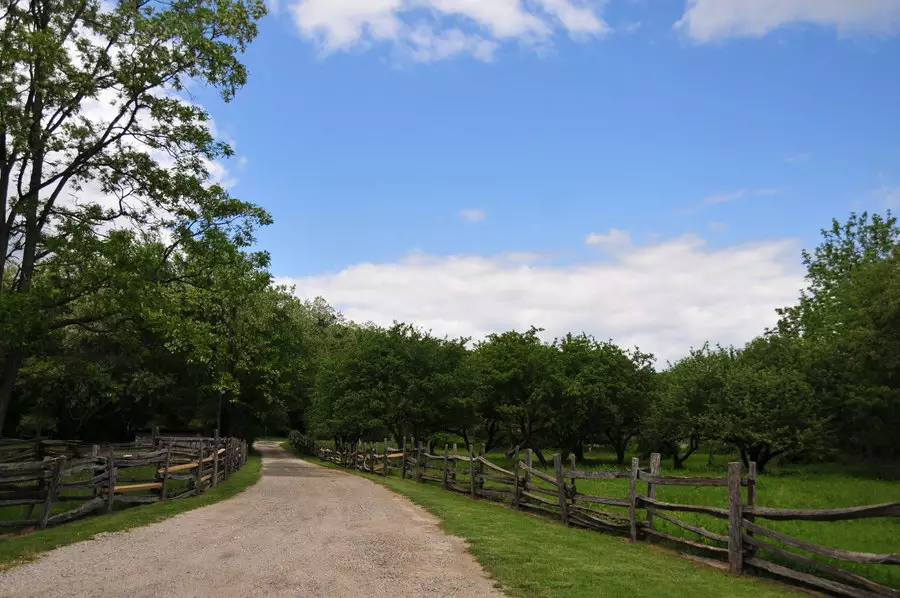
x,y
403,459
198,484
445,475
651,487
735,542
529,461
472,488
111,481
561,488
481,458
751,498
154,434
572,473
387,461
515,496
215,478
455,455
419,461
95,454
632,497
163,493
55,474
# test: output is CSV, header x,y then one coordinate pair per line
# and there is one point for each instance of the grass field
x,y
807,487
16,549
533,556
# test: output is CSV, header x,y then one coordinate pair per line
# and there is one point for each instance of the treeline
x,y
131,296
823,384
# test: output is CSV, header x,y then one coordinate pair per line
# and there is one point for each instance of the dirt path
x,y
303,530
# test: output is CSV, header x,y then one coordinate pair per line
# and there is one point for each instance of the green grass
x,y
16,549
537,557
799,487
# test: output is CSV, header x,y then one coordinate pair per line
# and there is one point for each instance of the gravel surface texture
x,y
303,530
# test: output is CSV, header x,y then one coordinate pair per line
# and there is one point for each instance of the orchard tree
x,y
688,390
95,141
516,386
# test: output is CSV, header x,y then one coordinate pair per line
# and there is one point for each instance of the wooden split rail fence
x,y
42,479
633,514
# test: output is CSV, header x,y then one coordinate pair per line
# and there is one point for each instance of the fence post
x,y
561,489
455,455
529,456
651,487
165,479
445,475
632,497
735,543
515,496
403,458
572,472
419,461
154,433
95,454
483,455
751,498
387,462
215,478
472,469
198,485
111,482
55,474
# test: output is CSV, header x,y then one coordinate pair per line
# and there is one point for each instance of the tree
x,y
94,140
846,326
515,385
688,389
768,407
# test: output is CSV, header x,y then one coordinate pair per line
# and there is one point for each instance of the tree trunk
x,y
491,430
539,454
11,364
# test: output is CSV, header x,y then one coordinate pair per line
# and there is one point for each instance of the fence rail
x,y
556,494
42,477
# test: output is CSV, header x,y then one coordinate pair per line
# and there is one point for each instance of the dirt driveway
x,y
303,530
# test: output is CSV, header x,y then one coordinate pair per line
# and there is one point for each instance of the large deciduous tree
x,y
95,140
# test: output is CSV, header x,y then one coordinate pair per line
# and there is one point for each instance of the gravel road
x,y
303,530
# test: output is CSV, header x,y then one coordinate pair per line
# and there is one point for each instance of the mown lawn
x,y
799,487
16,549
538,557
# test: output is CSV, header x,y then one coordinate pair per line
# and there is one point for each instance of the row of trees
x,y
820,385
130,294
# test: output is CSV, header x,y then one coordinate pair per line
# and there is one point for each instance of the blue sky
x,y
642,170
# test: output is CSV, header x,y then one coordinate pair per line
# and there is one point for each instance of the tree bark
x,y
11,363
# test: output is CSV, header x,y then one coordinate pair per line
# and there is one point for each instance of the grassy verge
x,y
531,556
28,546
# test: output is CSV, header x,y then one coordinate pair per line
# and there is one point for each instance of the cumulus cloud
x,y
473,214
430,30
663,297
614,240
709,20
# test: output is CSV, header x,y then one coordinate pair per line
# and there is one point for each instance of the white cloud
x,y
614,240
630,28
717,227
708,20
663,297
720,198
430,30
473,214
